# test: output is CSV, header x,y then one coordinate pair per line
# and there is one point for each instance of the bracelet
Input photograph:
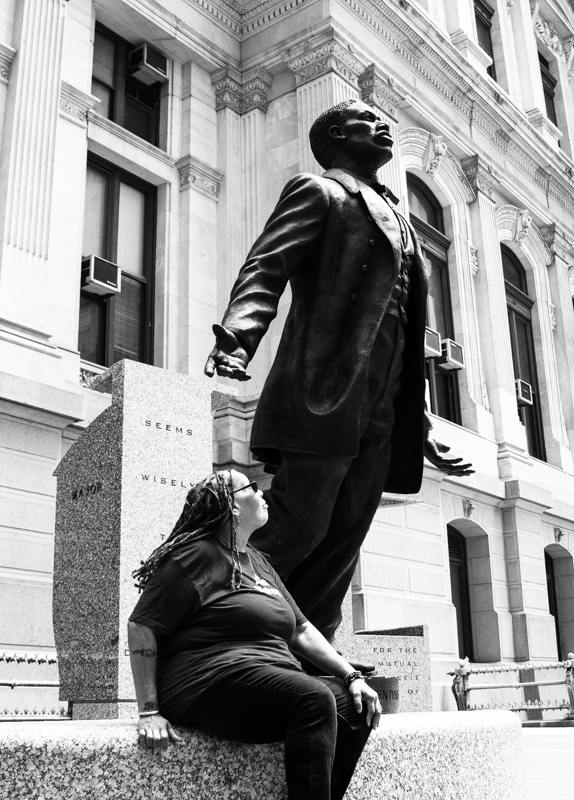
x,y
147,713
352,676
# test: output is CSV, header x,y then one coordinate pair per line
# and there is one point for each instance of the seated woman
x,y
212,640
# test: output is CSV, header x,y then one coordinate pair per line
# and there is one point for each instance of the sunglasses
x,y
253,484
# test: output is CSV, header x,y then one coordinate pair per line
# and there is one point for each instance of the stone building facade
x,y
167,162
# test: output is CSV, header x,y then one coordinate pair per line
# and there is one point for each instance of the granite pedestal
x,y
121,488
445,755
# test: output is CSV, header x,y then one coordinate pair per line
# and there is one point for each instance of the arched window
x,y
552,598
460,593
427,219
519,307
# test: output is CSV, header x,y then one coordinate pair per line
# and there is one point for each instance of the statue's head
x,y
352,128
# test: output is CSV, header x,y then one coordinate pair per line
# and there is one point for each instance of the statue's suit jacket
x,y
340,249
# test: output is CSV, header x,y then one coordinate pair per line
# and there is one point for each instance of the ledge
x,y
454,755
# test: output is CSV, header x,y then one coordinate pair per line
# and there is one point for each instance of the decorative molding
x,y
329,57
379,89
481,176
523,224
416,140
473,259
195,174
509,5
558,534
467,507
571,280
436,151
6,57
75,104
241,95
558,241
546,32
516,225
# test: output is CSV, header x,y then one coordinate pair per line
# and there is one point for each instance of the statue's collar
x,y
354,183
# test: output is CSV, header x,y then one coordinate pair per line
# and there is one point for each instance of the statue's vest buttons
x,y
372,242
365,268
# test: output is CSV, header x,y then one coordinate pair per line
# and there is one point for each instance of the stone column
x,y
199,191
26,175
533,626
562,320
326,73
492,313
379,89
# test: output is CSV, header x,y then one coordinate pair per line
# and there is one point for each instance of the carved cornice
x,y
195,174
480,175
6,57
558,241
546,32
379,89
75,104
329,57
241,95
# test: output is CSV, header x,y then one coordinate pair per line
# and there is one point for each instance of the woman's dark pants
x,y
315,717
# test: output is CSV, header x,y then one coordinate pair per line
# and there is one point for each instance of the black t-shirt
x,y
204,629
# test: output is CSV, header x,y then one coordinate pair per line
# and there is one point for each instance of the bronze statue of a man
x,y
341,417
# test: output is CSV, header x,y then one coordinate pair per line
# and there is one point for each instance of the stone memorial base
x,y
419,756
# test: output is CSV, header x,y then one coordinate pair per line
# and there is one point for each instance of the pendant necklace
x,y
258,581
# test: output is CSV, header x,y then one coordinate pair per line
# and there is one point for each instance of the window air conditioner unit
x,y
523,393
432,344
452,356
100,276
148,65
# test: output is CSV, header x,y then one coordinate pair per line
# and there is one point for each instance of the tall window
x,y
483,14
426,217
519,307
119,226
123,99
549,88
460,591
552,598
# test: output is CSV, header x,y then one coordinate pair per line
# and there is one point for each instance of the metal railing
x,y
461,686
14,683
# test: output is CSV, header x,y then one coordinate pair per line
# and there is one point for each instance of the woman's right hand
x,y
156,732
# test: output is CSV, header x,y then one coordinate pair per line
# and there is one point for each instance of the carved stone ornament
x,y
523,225
558,242
436,151
6,57
468,507
479,175
329,57
552,315
241,97
473,257
558,534
546,32
196,175
378,89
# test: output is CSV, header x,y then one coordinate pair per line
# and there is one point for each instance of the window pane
x,y
131,230
128,320
523,347
92,329
104,57
96,213
422,207
436,311
104,95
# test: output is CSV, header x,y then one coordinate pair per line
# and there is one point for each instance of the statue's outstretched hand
x,y
228,358
452,466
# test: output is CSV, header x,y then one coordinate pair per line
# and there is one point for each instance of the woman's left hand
x,y
362,693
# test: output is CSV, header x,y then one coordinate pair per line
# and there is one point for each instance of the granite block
x,y
121,487
446,755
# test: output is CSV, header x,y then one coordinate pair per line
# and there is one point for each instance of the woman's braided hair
x,y
208,507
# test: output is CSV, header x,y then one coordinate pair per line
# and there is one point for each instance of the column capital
x,y
75,104
558,241
330,56
379,89
480,175
241,92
